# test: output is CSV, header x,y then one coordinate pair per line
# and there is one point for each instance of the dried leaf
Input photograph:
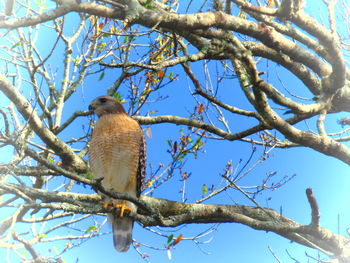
x,y
270,3
68,245
150,183
242,14
148,132
177,240
161,74
175,147
200,109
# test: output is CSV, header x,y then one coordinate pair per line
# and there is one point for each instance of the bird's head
x,y
105,105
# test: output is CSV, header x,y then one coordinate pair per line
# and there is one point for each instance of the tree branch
x,y
170,214
28,112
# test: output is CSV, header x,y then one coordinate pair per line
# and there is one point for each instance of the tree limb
x,y
28,112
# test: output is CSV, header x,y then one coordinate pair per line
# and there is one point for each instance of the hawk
x,y
117,154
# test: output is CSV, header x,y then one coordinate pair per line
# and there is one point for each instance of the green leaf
x,y
170,238
117,96
16,45
204,190
101,76
170,75
91,228
101,46
88,175
183,155
197,144
148,2
169,143
77,61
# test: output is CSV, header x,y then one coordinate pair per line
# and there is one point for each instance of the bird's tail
x,y
122,230
122,233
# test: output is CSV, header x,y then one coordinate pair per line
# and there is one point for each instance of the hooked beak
x,y
92,106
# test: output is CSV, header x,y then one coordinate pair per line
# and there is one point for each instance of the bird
x,y
117,157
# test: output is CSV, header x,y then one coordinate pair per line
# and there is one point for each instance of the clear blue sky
x,y
328,177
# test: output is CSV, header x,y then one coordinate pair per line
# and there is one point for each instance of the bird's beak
x,y
92,106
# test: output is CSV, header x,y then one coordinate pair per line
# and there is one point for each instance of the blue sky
x,y
328,177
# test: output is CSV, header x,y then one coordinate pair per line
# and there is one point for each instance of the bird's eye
x,y
103,100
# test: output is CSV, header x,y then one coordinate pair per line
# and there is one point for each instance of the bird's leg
x,y
111,204
123,207
106,205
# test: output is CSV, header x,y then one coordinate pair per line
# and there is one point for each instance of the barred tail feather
x,y
122,232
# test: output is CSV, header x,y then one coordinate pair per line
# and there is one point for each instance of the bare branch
x,y
314,208
67,155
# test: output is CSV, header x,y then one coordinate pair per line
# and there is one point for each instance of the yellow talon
x,y
106,205
123,207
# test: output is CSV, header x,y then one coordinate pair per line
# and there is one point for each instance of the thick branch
x,y
27,170
323,144
28,112
170,214
210,128
315,213
298,69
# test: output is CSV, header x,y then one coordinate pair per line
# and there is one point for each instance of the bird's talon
x,y
106,205
123,207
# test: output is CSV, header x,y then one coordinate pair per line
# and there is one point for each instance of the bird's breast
x,y
114,153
